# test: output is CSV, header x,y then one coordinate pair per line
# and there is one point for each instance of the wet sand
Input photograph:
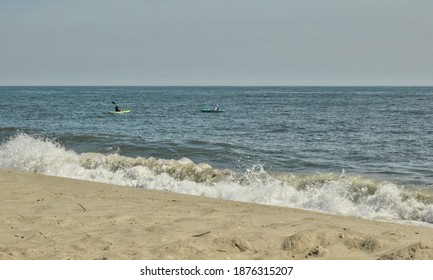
x,y
54,218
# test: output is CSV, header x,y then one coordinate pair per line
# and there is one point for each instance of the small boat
x,y
212,111
119,112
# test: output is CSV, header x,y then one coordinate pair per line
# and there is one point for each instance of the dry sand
x,y
45,217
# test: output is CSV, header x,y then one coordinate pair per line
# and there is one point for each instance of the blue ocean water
x,y
362,151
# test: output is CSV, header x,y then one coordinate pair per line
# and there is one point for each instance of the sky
x,y
216,42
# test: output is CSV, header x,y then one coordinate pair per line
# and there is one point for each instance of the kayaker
x,y
117,109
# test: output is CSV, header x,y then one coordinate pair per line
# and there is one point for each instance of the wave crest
x,y
343,194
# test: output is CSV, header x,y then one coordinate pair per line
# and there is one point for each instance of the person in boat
x,y
117,109
215,107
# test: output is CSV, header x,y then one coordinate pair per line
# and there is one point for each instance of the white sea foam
x,y
341,194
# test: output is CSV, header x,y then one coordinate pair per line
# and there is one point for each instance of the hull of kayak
x,y
211,111
119,112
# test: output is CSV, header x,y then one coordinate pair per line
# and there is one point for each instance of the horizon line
x,y
216,85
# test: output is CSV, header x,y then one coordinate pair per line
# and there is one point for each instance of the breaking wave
x,y
341,194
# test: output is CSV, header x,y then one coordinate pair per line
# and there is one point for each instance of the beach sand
x,y
45,217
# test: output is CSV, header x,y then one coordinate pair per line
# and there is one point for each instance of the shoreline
x,y
56,218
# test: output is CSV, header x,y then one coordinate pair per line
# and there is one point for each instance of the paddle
x,y
115,104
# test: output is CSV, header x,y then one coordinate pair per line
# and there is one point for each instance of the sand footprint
x,y
309,243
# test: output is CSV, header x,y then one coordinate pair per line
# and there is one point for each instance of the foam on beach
x,y
342,194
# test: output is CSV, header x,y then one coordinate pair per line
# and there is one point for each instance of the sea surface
x,y
356,151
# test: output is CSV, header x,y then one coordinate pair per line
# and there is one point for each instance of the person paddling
x,y
117,108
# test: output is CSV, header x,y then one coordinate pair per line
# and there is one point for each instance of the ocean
x,y
353,151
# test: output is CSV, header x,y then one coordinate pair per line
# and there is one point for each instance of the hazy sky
x,y
216,42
